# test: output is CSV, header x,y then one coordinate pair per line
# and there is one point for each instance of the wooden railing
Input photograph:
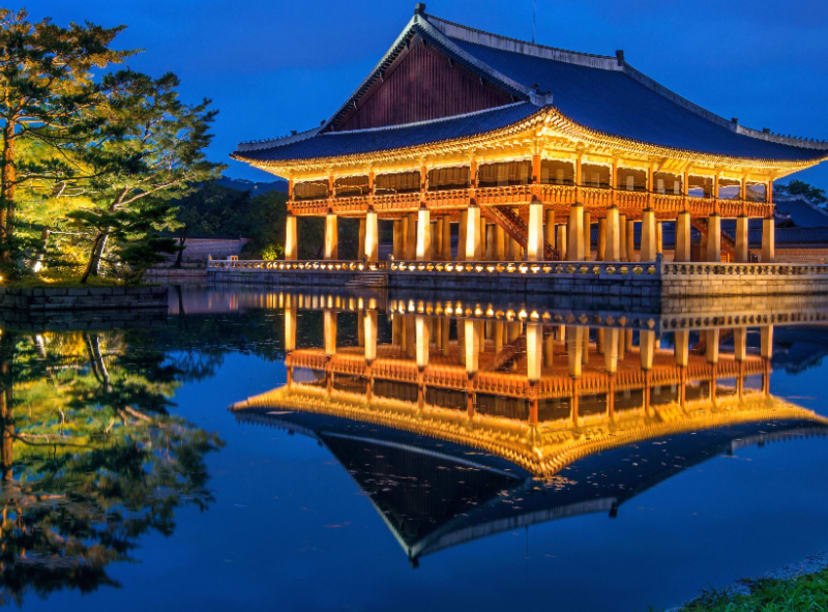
x,y
631,203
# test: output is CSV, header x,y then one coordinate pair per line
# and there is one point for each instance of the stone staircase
x,y
515,226
370,279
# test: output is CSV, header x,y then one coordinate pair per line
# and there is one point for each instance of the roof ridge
x,y
383,128
515,45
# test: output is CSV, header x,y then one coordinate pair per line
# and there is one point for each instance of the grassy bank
x,y
30,282
808,592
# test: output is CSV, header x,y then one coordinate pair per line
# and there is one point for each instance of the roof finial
x,y
419,8
619,55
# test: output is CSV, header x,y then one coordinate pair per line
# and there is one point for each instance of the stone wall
x,y
288,278
41,299
175,276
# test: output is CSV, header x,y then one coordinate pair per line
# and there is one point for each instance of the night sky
x,y
271,66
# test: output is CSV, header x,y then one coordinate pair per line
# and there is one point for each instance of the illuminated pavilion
x,y
513,150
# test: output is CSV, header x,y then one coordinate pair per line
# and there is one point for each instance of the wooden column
x,y
361,240
446,241
291,246
398,238
500,243
659,227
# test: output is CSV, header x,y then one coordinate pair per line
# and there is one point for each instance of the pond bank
x,y
46,299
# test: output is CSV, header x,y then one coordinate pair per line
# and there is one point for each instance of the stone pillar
x,y
329,331
601,252
768,240
471,344
622,237
423,234
682,246
711,349
646,348
714,238
461,235
369,334
561,240
481,247
549,228
411,238
500,243
291,246
361,240
766,341
371,237
437,238
587,236
574,350
549,349
423,340
611,338
742,250
472,232
630,240
534,241
291,321
648,235
534,350
681,347
739,343
659,226
491,244
331,237
575,233
398,238
612,251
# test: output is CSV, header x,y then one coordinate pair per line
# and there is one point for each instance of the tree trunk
x,y
38,264
8,176
94,264
181,243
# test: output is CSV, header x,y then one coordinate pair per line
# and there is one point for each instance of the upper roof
x,y
601,93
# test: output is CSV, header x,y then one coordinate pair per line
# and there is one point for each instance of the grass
x,y
808,592
32,281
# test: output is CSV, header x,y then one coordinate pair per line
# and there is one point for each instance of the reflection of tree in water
x,y
91,459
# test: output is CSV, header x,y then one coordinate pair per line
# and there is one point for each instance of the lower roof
x,y
336,144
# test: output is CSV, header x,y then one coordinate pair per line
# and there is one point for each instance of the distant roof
x,y
603,93
801,212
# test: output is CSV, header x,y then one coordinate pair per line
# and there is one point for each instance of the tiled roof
x,y
801,212
335,144
602,93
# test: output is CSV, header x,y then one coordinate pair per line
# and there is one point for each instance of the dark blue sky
x,y
275,65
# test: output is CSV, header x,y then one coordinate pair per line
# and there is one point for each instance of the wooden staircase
x,y
515,226
728,241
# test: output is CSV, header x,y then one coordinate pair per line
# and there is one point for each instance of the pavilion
x,y
517,151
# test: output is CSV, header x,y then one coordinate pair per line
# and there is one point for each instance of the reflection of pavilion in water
x,y
563,401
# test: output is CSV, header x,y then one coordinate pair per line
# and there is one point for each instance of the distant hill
x,y
254,187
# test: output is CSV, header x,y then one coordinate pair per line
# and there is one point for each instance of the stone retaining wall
x,y
176,276
290,278
40,299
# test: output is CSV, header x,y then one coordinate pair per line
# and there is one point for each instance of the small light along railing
x,y
670,269
528,268
300,265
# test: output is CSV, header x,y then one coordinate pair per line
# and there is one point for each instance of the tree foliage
x,y
796,187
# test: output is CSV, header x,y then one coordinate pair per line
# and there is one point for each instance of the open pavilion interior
x,y
466,145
